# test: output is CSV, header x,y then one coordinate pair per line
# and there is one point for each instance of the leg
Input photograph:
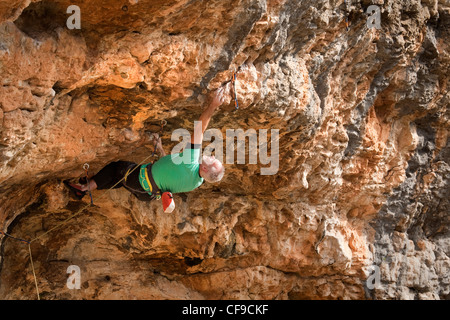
x,y
108,177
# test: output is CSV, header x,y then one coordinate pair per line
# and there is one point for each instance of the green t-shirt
x,y
178,172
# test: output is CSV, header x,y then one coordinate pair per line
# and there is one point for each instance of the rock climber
x,y
167,175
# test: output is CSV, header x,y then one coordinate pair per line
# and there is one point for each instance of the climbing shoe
x,y
75,190
167,201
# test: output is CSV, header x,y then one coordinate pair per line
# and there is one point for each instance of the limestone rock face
x,y
354,203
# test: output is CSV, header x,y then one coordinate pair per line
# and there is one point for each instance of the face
x,y
208,161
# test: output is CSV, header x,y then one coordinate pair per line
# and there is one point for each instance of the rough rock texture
x,y
362,189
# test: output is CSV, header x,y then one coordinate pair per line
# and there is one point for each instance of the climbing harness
x,y
124,183
143,177
147,183
86,168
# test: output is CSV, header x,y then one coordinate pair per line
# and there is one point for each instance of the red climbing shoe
x,y
75,189
168,203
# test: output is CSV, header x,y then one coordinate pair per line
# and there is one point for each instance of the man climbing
x,y
172,173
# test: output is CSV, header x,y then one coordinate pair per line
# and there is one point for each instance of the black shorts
x,y
111,174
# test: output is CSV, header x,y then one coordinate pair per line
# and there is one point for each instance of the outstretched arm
x,y
157,143
160,148
205,117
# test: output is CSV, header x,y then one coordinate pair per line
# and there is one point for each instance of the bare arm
x,y
161,151
205,117
158,144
